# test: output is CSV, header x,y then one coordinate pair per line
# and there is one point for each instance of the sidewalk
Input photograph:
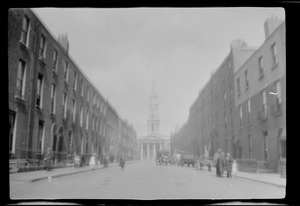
x,y
55,173
273,179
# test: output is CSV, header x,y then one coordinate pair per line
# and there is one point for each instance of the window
x,y
238,86
241,115
96,124
229,63
93,123
42,53
74,110
39,98
94,101
225,119
65,101
11,129
81,115
25,31
81,84
87,119
66,71
264,98
274,53
75,81
53,98
246,80
261,67
70,142
20,89
55,62
249,146
231,119
278,93
249,110
230,90
88,93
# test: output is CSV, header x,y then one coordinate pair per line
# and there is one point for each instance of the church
x,y
153,141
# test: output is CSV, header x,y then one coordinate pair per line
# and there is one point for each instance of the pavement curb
x,y
261,181
65,174
270,183
74,172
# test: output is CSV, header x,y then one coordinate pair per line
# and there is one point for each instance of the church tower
x,y
153,117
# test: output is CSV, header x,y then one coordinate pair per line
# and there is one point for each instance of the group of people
x,y
48,157
225,163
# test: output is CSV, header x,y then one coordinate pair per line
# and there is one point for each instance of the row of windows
x,y
264,109
42,55
97,124
40,135
260,68
278,100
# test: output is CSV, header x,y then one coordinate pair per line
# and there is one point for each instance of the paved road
x,y
145,180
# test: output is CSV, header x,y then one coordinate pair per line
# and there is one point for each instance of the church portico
x,y
149,149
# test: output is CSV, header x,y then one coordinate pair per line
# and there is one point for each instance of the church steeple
x,y
153,87
153,117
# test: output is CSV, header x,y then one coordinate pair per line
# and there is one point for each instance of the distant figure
x,y
105,161
217,159
229,162
122,163
47,160
234,168
221,164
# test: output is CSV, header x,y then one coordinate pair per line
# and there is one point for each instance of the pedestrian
x,y
218,162
221,164
47,160
234,168
122,163
229,162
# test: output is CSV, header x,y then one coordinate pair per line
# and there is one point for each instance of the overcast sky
x,y
121,50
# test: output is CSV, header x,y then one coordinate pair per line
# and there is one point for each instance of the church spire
x,y
153,93
153,118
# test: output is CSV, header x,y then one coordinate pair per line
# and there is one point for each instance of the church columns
x,y
160,146
142,151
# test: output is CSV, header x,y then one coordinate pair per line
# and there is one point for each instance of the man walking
x,y
122,163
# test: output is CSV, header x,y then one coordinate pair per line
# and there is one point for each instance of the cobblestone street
x,y
145,180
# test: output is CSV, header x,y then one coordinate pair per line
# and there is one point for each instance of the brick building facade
x,y
230,117
52,104
261,80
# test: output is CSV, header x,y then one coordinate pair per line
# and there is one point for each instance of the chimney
x,y
271,24
64,42
238,44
